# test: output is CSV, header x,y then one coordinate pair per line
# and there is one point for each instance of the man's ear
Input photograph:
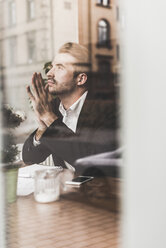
x,y
81,79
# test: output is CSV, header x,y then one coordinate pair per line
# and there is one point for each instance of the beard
x,y
60,89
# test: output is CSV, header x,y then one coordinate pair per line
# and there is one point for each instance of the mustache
x,y
51,79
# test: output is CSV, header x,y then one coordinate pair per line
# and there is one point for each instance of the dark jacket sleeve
x,y
34,154
55,140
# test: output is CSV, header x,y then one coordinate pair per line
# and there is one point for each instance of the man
x,y
70,125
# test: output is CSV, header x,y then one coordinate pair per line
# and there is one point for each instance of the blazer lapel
x,y
87,117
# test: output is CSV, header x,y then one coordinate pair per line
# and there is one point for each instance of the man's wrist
x,y
39,133
48,120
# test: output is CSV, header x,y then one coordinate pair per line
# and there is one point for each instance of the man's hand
x,y
42,102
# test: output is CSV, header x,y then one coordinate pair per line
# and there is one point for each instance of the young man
x,y
70,126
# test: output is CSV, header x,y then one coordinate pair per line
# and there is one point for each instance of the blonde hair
x,y
80,53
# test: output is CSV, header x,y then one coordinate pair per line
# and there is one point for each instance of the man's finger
x,y
41,80
34,85
49,96
46,87
30,93
40,83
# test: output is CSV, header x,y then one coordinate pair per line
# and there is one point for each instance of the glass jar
x,y
47,185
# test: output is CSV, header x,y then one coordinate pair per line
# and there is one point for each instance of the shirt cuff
x,y
36,142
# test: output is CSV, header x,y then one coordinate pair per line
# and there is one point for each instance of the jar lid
x,y
48,173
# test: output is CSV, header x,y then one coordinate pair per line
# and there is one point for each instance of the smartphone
x,y
79,180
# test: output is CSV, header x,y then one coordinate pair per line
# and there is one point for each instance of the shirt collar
x,y
75,107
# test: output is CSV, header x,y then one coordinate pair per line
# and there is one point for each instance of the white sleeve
x,y
36,142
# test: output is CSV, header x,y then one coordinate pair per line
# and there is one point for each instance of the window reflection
x,y
35,40
12,51
12,13
103,2
103,33
31,44
31,9
106,2
104,73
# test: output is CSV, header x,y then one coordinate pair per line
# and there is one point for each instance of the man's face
x,y
61,76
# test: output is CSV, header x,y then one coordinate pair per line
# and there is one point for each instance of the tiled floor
x,y
62,224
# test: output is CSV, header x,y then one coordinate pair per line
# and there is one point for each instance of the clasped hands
x,y
41,102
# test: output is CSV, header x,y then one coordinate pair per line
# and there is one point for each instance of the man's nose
x,y
50,72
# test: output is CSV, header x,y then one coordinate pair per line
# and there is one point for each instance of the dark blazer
x,y
95,134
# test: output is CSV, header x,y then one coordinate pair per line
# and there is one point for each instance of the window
x,y
106,2
103,2
31,9
31,43
12,51
104,73
12,13
103,33
104,67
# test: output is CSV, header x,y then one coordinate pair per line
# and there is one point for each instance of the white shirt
x,y
71,115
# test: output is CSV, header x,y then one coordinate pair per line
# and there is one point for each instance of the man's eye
x,y
59,67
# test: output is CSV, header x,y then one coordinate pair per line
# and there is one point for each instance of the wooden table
x,y
67,223
101,192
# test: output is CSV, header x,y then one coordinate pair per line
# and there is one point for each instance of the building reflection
x,y
32,32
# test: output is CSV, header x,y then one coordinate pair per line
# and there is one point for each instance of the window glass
x,y
12,13
12,51
104,66
31,9
104,73
103,2
103,32
74,103
31,43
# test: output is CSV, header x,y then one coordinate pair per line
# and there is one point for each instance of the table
x,y
66,223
